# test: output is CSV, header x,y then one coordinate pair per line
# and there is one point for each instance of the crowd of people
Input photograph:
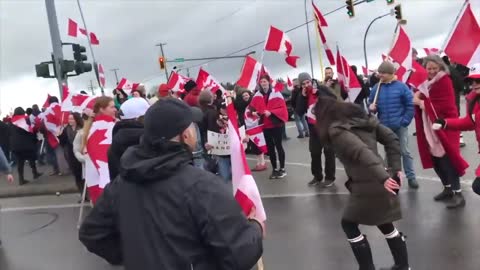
x,y
162,174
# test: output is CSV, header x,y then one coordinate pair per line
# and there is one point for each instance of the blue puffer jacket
x,y
394,104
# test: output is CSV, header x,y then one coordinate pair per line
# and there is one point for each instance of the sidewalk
x,y
45,185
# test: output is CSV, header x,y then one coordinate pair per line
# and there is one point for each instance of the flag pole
x,y
91,49
462,10
319,47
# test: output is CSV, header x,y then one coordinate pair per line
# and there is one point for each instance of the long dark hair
x,y
328,110
78,119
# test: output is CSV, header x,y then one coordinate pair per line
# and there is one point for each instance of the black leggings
x,y
446,172
352,231
273,138
476,185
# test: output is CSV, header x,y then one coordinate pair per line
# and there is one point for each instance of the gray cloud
x,y
129,30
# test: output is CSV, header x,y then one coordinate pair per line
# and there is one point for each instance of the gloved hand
x,y
476,185
439,124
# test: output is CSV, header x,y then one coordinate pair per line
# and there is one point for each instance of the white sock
x,y
356,239
393,234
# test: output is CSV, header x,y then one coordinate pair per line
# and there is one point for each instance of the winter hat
x,y
163,90
386,67
190,85
304,76
165,119
133,108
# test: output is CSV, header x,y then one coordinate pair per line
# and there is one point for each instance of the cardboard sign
x,y
221,142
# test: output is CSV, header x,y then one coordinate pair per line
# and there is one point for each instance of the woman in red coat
x,y
440,149
471,121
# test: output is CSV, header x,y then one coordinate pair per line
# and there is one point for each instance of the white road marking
x,y
428,178
40,207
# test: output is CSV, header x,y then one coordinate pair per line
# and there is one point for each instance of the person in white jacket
x,y
79,154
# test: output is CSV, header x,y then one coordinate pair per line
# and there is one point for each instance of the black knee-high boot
x,y
363,254
35,172
20,168
398,247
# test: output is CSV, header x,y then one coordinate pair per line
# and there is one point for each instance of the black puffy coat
x,y
162,213
22,141
125,133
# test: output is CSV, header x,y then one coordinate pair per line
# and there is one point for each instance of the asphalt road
x,y
303,224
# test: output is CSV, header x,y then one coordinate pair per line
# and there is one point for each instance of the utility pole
x,y
91,88
115,71
163,55
56,43
308,40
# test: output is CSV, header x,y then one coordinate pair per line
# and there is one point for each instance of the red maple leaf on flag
x,y
100,150
256,140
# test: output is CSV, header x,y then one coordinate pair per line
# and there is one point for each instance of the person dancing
x,y
353,135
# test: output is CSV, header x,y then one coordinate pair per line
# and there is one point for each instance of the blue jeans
x,y
407,160
224,168
301,124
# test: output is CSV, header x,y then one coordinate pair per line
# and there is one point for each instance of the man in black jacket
x,y
163,213
311,90
126,132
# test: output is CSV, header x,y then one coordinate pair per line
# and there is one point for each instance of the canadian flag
x,y
430,51
321,22
401,54
101,75
245,189
73,30
205,81
250,72
366,71
66,104
21,122
99,140
177,82
278,41
52,119
289,84
347,78
256,136
127,86
47,102
81,102
419,78
463,45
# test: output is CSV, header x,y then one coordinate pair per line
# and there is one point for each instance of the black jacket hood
x,y
149,163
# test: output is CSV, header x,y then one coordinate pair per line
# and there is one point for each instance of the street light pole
x,y
115,71
56,43
163,55
366,33
308,39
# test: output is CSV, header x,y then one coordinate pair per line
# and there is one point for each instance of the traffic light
x,y
80,57
161,61
389,2
43,70
78,53
398,12
350,9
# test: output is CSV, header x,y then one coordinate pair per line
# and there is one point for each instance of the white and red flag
x,y
419,78
245,189
463,45
21,122
101,75
99,140
177,82
73,31
205,81
250,72
321,22
347,78
255,135
401,53
289,84
52,119
431,51
278,41
127,86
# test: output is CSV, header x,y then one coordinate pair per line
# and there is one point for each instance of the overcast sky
x,y
128,31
